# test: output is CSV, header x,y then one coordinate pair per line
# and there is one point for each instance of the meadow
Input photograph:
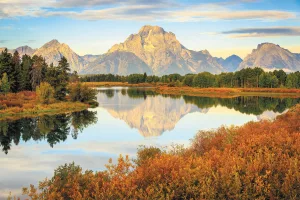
x,y
26,104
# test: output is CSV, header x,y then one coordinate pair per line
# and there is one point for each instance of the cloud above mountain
x,y
264,32
139,10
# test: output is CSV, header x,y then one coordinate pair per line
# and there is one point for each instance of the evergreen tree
x,y
25,78
145,77
63,78
16,73
38,72
4,85
6,65
293,81
281,76
52,76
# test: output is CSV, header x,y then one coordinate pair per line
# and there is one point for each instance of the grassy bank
x,y
229,92
25,104
209,92
116,84
259,160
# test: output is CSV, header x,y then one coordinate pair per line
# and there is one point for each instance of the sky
x,y
93,26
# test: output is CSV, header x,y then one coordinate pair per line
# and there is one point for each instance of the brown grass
x,y
113,84
25,104
229,92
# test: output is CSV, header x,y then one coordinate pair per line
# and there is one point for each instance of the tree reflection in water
x,y
53,128
153,114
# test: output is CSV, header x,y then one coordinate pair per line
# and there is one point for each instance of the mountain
x,y
121,63
270,56
53,52
231,63
25,50
155,51
90,58
22,50
163,53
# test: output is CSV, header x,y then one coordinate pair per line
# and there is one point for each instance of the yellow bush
x,y
45,93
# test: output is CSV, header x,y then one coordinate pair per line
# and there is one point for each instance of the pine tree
x,y
25,77
63,78
6,65
5,86
16,73
52,76
38,72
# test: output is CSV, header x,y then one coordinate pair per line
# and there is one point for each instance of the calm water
x,y
126,118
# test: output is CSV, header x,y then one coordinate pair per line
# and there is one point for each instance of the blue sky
x,y
92,27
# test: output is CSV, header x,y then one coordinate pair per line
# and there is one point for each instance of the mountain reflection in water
x,y
153,114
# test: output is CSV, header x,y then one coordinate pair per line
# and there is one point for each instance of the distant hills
x,y
231,63
155,51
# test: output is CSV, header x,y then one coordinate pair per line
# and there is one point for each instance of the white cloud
x,y
139,10
263,32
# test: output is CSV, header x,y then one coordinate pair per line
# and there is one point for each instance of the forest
x,y
245,78
26,81
259,160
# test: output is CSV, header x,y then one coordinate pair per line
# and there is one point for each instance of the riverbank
x,y
118,84
24,104
229,92
207,92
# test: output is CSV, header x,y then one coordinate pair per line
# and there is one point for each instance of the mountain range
x,y
155,51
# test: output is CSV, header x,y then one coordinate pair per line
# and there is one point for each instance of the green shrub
x,y
45,93
82,93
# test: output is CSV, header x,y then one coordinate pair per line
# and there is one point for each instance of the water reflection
x,y
125,119
53,129
256,105
153,114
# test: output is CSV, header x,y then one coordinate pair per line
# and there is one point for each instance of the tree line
x,y
245,78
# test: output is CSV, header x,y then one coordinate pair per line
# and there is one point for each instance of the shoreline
x,y
16,113
230,92
206,92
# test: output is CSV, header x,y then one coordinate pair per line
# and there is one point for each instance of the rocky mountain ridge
x,y
164,54
231,63
156,51
270,57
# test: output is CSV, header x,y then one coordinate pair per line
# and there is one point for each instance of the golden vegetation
x,y
113,84
260,160
229,91
26,104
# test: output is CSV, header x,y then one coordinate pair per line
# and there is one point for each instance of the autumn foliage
x,y
28,104
260,160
